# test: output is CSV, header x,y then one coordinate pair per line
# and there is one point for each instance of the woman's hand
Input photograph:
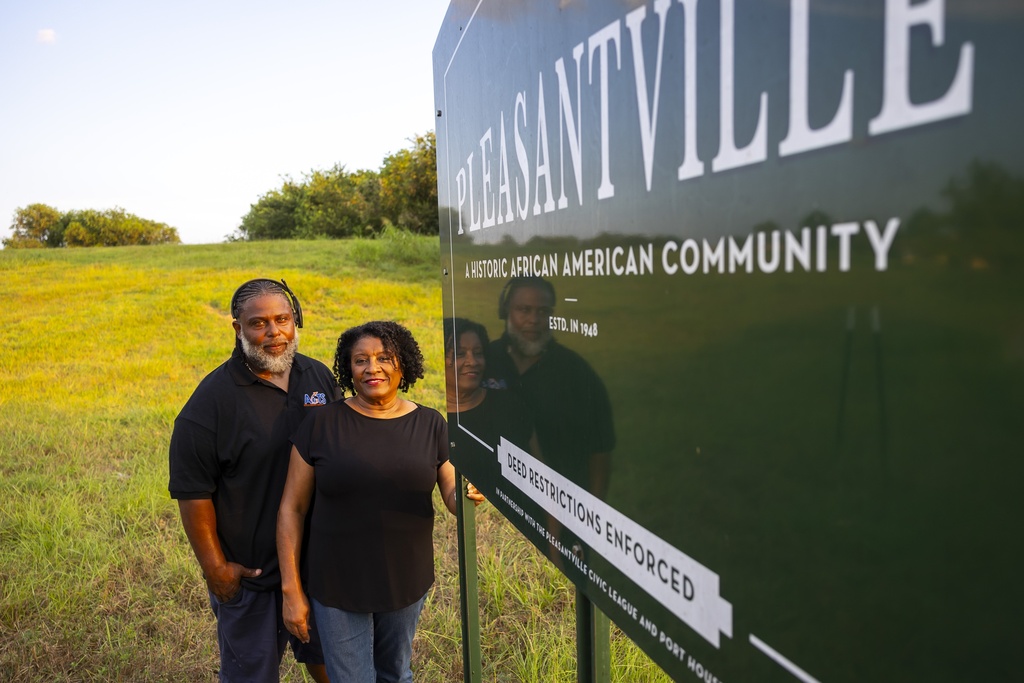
x,y
449,491
295,613
298,490
473,494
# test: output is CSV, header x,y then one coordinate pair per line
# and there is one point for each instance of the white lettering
x,y
524,164
800,137
714,256
485,189
474,220
504,183
648,116
881,243
543,163
822,233
600,42
667,265
691,167
690,266
844,231
765,265
565,114
460,191
740,255
729,156
801,250
897,110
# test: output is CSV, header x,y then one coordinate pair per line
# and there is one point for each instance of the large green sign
x,y
771,422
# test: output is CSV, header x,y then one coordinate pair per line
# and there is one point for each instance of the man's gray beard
x,y
264,362
527,349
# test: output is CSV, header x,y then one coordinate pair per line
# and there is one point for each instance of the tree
x,y
273,216
987,200
408,186
114,228
816,218
339,204
35,226
39,225
982,225
332,203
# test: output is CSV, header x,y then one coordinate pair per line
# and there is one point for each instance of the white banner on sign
x,y
678,582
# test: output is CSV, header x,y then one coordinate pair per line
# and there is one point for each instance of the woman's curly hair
x,y
396,339
456,327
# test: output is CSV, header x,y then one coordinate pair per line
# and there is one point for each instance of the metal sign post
x,y
468,582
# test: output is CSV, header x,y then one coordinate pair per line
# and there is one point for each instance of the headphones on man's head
x,y
522,281
276,286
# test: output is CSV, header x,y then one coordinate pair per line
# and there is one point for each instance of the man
x,y
569,403
571,412
228,463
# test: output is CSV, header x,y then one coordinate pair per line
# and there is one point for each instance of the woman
x,y
465,342
373,459
486,414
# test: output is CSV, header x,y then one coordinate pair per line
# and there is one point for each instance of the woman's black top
x,y
371,536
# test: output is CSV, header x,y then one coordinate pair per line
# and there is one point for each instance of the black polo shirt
x,y
231,444
567,401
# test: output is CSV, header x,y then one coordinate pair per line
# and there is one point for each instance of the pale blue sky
x,y
186,112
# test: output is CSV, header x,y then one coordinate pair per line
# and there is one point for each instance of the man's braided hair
x,y
260,287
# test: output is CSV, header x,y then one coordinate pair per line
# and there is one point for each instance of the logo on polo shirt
x,y
317,398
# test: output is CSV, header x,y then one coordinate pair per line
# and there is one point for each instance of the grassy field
x,y
101,348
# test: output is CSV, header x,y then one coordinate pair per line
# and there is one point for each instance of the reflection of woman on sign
x,y
374,460
488,415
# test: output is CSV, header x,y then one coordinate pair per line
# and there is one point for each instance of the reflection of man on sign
x,y
571,411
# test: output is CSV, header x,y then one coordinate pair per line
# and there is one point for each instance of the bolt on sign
x,y
739,338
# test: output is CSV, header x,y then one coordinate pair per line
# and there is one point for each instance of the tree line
x,y
338,203
334,203
41,225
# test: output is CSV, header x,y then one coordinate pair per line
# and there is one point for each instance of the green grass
x,y
101,348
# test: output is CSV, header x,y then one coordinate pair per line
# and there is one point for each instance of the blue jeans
x,y
368,648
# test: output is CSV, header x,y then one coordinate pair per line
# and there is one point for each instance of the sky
x,y
187,111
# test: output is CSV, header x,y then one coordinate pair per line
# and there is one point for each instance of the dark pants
x,y
252,637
